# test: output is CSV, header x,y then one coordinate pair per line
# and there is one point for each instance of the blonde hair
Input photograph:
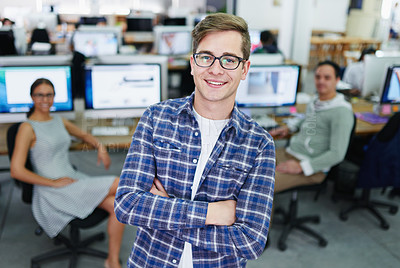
x,y
219,22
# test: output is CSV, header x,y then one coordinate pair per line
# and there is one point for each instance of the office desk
x,y
123,142
113,143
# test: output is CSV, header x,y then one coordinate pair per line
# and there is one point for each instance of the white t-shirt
x,y
354,75
210,131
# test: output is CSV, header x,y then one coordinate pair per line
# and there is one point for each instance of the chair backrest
x,y
334,171
40,35
381,165
27,189
7,43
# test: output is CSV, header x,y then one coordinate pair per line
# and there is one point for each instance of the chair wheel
x,y
38,231
385,226
323,243
282,246
343,217
393,210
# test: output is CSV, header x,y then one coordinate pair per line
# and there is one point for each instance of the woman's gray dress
x,y
53,208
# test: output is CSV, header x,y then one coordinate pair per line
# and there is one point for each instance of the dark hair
x,y
35,84
366,51
267,37
219,22
334,65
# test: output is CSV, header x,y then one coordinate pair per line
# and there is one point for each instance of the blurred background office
x,y
111,59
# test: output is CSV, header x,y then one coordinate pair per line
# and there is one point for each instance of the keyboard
x,y
372,118
266,122
110,131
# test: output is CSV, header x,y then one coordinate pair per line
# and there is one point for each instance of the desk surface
x,y
123,142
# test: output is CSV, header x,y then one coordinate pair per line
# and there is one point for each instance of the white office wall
x,y
260,14
329,15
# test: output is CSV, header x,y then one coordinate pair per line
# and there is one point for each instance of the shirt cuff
x,y
196,214
306,167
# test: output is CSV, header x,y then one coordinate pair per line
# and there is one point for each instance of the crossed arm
x,y
218,213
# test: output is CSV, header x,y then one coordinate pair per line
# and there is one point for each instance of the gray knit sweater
x,y
323,135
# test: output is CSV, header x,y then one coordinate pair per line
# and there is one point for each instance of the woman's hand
x,y
62,182
158,189
103,157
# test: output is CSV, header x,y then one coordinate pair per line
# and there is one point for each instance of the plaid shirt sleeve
x,y
135,205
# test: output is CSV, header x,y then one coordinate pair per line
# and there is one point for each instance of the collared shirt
x,y
241,167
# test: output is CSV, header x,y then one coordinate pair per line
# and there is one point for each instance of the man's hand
x,y
158,189
221,213
289,167
279,132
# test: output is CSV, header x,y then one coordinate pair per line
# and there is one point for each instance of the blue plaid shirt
x,y
166,145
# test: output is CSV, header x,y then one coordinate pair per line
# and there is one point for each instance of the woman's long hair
x,y
35,84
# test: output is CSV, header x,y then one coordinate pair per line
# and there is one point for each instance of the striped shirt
x,y
241,167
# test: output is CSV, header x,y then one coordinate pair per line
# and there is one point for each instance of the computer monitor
x,y
36,60
95,43
269,86
15,83
175,21
391,88
92,20
266,59
139,59
254,39
173,40
45,20
375,73
139,24
123,90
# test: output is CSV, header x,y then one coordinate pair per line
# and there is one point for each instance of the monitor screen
x,y
92,20
254,39
375,72
391,88
15,92
175,21
122,86
269,86
173,40
95,43
139,24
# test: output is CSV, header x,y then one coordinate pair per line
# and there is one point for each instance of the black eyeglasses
x,y
42,96
227,62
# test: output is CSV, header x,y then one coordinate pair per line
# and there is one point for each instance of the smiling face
x,y
43,98
215,85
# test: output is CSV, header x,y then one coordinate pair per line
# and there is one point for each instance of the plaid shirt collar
x,y
234,122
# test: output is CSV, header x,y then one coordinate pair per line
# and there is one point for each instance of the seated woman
x,y
60,192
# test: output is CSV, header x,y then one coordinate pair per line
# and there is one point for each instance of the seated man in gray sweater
x,y
322,135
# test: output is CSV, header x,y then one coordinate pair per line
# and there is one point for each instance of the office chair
x,y
291,220
73,244
7,43
40,42
380,168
